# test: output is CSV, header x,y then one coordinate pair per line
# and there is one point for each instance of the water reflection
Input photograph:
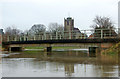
x,y
60,64
69,69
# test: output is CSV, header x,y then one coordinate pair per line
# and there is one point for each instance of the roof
x,y
69,17
77,30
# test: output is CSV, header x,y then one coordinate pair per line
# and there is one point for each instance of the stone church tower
x,y
68,27
68,24
70,32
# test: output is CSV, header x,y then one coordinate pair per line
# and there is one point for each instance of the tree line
x,y
35,29
98,23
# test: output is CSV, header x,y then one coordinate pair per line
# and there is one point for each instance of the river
x,y
70,63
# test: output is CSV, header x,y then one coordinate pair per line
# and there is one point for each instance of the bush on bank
x,y
113,50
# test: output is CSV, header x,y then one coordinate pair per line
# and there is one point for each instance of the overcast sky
x,y
25,13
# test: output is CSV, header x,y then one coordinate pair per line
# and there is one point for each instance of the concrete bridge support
x,y
48,49
14,49
93,49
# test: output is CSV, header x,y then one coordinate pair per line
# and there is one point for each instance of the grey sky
x,y
25,13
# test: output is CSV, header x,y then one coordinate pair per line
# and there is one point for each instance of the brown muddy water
x,y
58,64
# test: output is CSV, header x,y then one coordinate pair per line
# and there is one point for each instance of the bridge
x,y
88,39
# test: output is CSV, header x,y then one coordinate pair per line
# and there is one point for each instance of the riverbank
x,y
114,50
111,51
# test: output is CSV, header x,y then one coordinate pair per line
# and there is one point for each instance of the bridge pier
x,y
10,49
93,49
48,49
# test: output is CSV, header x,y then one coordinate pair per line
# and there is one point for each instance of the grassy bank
x,y
34,48
114,50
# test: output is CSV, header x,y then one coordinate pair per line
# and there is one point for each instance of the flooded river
x,y
72,63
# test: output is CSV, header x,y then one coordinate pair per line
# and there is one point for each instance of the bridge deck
x,y
64,41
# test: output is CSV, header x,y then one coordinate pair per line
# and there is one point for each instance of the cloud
x,y
24,13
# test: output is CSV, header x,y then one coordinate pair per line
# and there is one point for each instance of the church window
x,y
67,22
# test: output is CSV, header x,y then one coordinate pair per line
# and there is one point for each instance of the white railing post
x,y
70,35
44,37
63,34
93,35
56,35
15,38
101,33
8,38
34,37
20,38
51,36
39,37
84,34
60,36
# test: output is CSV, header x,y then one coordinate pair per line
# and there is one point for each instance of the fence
x,y
82,34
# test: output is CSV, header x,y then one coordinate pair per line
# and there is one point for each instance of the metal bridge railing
x,y
82,34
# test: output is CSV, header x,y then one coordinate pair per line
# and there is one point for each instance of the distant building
x,y
70,30
69,24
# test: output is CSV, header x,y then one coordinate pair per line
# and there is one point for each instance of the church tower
x,y
68,24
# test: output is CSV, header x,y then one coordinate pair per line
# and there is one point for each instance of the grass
x,y
29,51
34,47
110,53
114,50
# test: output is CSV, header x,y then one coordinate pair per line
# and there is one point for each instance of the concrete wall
x,y
81,45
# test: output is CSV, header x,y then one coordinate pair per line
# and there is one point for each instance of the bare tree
x,y
55,27
56,30
12,31
102,22
105,24
36,29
